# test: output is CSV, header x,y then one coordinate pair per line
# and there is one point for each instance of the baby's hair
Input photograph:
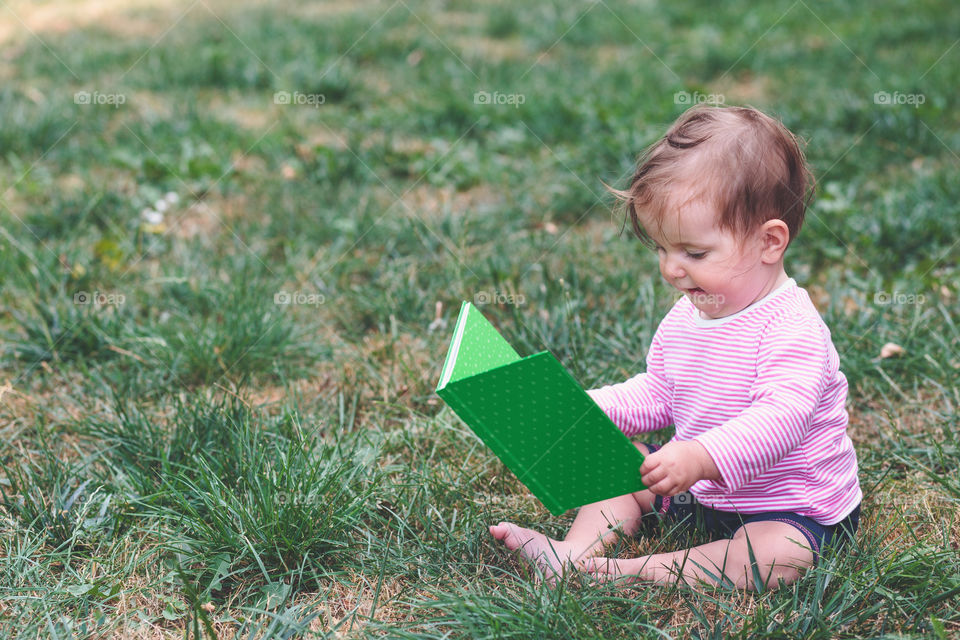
x,y
738,159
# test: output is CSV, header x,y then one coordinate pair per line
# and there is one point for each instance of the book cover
x,y
536,418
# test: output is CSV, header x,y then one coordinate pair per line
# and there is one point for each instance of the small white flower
x,y
170,197
151,217
161,205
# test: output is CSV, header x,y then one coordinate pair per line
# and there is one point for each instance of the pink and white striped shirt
x,y
762,390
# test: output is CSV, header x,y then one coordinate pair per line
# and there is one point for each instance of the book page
x,y
476,347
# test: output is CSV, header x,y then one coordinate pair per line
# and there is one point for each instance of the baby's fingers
x,y
650,463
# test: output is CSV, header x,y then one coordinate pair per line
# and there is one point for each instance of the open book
x,y
536,418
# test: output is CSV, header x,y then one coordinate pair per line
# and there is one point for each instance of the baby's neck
x,y
772,285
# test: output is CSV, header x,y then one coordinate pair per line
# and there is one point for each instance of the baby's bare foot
x,y
548,554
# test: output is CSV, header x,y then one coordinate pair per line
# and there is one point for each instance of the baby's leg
x,y
596,525
780,550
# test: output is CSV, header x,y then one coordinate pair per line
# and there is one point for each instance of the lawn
x,y
234,237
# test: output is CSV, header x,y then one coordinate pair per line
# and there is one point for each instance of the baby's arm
x,y
642,403
793,366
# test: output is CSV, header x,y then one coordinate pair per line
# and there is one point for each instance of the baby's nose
x,y
670,268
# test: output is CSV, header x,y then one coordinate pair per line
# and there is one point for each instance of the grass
x,y
218,418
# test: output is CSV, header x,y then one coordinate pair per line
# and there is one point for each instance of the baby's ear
x,y
774,236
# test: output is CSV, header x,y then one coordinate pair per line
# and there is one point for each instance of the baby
x,y
742,365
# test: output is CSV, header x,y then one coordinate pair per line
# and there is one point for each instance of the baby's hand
x,y
676,467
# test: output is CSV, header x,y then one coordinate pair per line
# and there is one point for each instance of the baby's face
x,y
719,274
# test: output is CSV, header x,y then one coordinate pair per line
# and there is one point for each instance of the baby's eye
x,y
697,256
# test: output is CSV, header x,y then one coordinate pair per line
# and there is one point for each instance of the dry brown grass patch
x,y
435,203
744,88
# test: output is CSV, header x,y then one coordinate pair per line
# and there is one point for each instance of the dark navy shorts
x,y
684,508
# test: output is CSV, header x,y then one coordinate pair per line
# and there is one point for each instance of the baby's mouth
x,y
696,290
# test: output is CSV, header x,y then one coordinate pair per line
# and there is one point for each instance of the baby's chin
x,y
707,303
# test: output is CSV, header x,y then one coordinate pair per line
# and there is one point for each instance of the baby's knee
x,y
772,549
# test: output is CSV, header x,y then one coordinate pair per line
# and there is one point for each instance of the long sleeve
x,y
793,367
642,403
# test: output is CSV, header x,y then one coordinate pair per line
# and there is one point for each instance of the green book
x,y
536,418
